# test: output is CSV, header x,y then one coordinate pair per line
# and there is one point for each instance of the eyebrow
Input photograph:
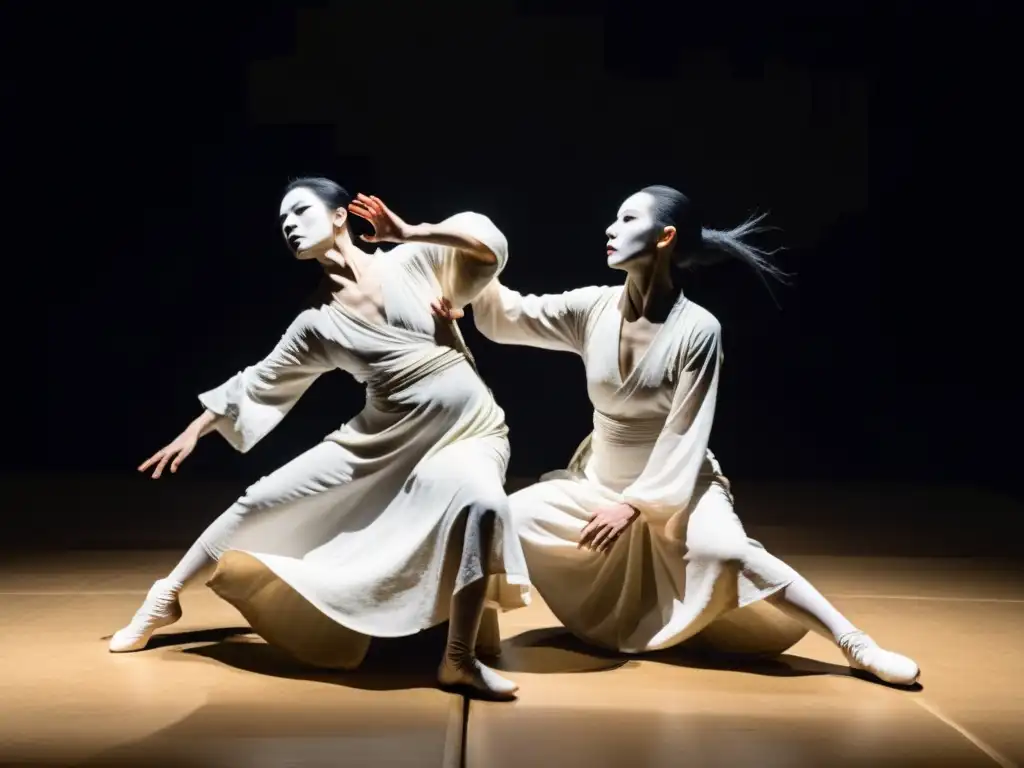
x,y
281,217
634,211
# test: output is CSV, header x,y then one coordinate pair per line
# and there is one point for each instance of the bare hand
x,y
606,526
388,226
174,452
443,309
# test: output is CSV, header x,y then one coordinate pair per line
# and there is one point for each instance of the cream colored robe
x,y
686,562
366,534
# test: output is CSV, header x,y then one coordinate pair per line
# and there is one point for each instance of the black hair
x,y
331,193
697,245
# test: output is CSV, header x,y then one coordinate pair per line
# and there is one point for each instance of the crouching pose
x,y
637,547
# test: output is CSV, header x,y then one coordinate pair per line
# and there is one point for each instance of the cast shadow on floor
x,y
554,650
411,662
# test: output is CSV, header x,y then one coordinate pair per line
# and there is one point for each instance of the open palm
x,y
388,226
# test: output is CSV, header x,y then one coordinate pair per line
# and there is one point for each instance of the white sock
x,y
195,562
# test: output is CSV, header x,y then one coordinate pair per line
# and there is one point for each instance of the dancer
x,y
637,547
397,521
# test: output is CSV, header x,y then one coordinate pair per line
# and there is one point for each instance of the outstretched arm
x,y
555,321
254,401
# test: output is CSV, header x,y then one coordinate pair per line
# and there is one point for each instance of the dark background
x,y
152,147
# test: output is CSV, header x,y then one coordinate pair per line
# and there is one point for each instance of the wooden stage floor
x,y
212,694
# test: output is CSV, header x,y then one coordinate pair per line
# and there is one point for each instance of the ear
x,y
667,238
340,217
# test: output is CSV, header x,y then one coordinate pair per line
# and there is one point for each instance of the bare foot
x,y
476,679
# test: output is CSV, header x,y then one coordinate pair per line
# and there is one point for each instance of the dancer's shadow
x,y
555,650
185,637
391,663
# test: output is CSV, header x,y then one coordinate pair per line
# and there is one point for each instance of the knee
x,y
724,543
714,532
264,493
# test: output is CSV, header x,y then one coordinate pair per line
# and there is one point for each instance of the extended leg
x,y
801,601
318,470
460,668
161,607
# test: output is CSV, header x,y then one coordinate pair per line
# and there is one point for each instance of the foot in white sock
x,y
160,609
470,676
865,654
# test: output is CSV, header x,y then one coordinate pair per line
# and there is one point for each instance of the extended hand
x,y
443,309
175,452
388,226
606,526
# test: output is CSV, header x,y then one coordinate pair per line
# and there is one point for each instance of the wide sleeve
x,y
461,275
556,321
667,483
252,402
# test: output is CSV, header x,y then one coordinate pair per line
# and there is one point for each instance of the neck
x,y
344,257
649,293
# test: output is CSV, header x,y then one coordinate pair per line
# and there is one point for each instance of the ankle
x,y
458,654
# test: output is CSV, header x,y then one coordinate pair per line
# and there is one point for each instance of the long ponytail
x,y
699,246
718,245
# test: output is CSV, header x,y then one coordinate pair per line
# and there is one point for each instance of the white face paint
x,y
634,233
306,223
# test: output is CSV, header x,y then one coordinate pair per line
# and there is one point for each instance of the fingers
x,y
602,538
444,309
150,461
361,211
380,204
609,542
182,455
588,533
162,465
373,204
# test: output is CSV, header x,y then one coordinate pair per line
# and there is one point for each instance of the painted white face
x,y
634,233
306,223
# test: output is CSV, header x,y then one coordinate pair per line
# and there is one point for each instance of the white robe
x,y
370,526
686,561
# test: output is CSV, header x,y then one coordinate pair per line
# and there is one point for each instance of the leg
x,y
488,639
318,470
801,601
161,607
715,531
460,669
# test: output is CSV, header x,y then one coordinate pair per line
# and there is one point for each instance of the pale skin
x,y
314,232
643,250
